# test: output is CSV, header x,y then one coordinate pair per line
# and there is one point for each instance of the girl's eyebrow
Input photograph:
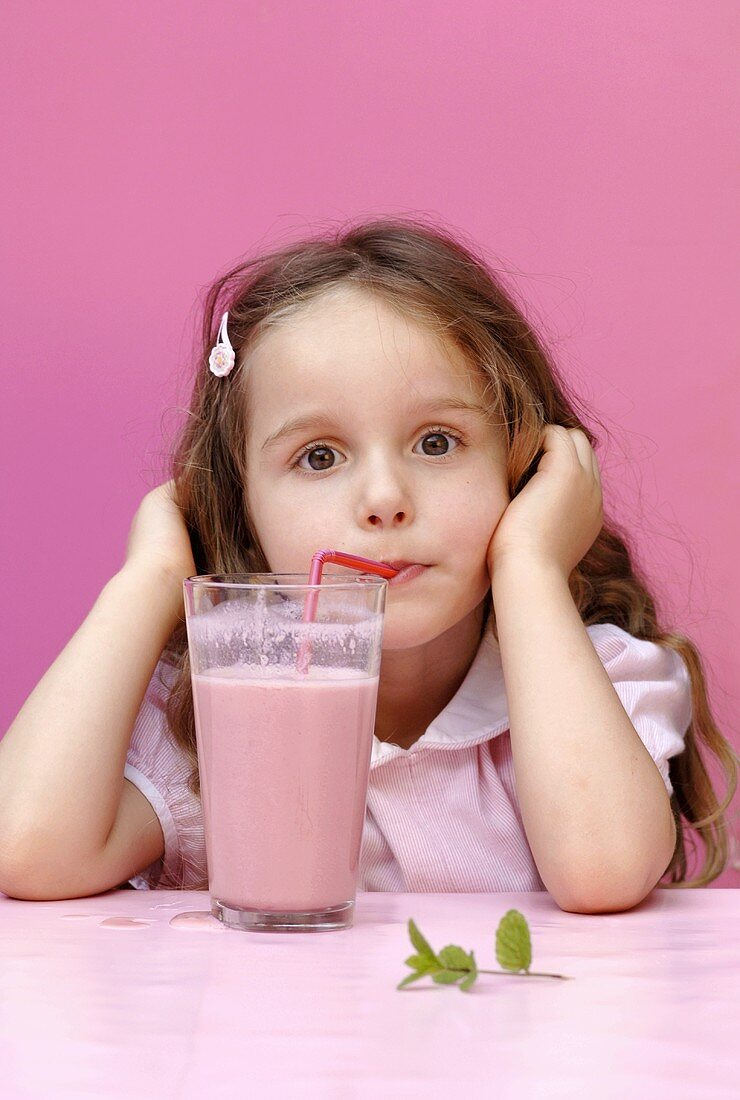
x,y
316,419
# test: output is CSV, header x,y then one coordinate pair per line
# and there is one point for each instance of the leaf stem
x,y
527,974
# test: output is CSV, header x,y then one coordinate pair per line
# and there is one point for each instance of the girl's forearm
x,y
62,759
595,809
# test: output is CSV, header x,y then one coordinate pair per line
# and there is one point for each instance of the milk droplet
x,y
125,923
198,921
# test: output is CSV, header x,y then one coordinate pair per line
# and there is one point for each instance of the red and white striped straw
x,y
335,557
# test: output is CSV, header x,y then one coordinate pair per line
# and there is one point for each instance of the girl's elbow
x,y
612,886
592,903
605,893
613,896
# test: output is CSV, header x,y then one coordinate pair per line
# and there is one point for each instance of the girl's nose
x,y
385,501
379,521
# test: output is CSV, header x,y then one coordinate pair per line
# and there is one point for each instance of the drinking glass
x,y
284,745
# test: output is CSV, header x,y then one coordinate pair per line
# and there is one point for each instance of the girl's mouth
x,y
406,573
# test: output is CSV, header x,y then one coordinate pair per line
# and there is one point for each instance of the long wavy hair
x,y
438,281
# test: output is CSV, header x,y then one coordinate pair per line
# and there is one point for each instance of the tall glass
x,y
284,750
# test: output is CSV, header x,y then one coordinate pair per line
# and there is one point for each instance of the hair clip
x,y
222,357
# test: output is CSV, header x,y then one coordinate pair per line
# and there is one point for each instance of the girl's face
x,y
354,443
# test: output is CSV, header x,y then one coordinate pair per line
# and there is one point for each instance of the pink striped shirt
x,y
443,815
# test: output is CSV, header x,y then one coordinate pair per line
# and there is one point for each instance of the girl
x,y
379,392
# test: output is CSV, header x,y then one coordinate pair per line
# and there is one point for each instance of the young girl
x,y
379,392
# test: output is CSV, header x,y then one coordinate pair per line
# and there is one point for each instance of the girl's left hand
x,y
557,516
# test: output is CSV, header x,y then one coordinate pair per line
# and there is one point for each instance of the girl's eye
x,y
438,441
319,454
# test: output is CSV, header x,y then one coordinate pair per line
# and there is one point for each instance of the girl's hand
x,y
557,516
159,534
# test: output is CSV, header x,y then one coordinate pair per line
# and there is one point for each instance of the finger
x,y
587,456
582,447
555,433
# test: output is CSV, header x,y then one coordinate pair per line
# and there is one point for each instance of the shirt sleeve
x,y
654,687
159,767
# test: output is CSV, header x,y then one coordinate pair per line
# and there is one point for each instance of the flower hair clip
x,y
222,357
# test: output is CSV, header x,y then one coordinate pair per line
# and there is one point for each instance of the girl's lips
x,y
408,573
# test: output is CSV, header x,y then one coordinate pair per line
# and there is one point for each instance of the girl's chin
x,y
409,631
410,624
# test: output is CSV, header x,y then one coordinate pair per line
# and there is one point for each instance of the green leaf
x,y
446,977
454,958
420,943
411,978
467,981
513,943
420,962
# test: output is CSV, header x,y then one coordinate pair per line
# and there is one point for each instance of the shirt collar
x,y
477,712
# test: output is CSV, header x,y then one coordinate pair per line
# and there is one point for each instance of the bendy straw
x,y
318,561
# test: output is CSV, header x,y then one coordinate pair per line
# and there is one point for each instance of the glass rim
x,y
224,580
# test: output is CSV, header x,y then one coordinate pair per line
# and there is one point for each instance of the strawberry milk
x,y
284,765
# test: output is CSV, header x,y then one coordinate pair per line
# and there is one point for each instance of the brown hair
x,y
435,279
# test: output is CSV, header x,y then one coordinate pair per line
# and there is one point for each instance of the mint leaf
x,y
423,963
468,980
420,962
411,978
453,964
513,943
446,977
420,943
454,958
457,964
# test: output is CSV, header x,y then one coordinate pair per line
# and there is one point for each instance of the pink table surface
x,y
153,1010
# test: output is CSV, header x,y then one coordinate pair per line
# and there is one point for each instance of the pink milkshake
x,y
284,763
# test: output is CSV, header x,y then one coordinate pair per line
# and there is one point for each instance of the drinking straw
x,y
336,557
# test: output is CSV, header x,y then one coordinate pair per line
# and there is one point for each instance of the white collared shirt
x,y
443,815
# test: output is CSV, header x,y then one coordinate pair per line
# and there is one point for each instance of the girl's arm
x,y
596,811
62,759
595,808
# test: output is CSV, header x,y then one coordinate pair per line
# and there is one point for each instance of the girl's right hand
x,y
159,535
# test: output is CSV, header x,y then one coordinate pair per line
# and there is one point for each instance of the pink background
x,y
587,147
